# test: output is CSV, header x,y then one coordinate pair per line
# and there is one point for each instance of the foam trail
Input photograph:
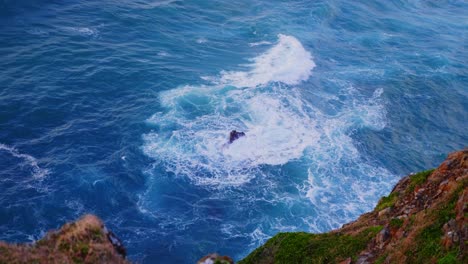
x,y
81,31
38,173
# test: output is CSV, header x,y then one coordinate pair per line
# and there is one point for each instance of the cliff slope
x,y
423,220
83,241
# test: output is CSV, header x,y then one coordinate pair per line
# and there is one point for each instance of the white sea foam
x,y
258,237
37,172
267,102
260,43
201,40
279,125
163,54
193,132
287,62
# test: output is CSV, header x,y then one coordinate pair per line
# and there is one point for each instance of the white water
x,y
262,101
287,62
267,102
193,132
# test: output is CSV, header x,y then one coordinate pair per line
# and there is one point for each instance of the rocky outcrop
x,y
423,220
83,241
215,259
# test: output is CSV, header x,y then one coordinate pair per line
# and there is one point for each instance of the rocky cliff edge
x,y
423,220
84,241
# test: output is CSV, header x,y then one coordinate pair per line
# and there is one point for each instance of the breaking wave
x,y
191,135
283,128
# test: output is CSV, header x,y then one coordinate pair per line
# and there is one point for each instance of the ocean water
x,y
123,109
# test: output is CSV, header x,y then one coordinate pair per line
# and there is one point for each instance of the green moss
x,y
96,234
450,258
83,249
64,246
396,222
387,201
419,178
381,259
221,262
311,248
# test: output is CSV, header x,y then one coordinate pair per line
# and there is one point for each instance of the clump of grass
x,y
312,248
221,262
450,258
372,230
64,246
96,234
419,178
396,222
381,259
387,201
83,249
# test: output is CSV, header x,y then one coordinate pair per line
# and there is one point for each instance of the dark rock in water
x,y
234,135
116,242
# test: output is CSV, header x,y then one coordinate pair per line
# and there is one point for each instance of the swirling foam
x,y
192,133
37,172
334,183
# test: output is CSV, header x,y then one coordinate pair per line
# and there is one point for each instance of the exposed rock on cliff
x,y
84,241
423,220
215,259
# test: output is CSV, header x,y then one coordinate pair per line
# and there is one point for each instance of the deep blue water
x,y
123,109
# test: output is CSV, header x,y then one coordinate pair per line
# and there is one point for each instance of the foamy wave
x,y
191,134
37,172
287,62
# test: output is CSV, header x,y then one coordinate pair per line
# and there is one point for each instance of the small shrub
x,y
419,178
381,259
450,258
387,201
64,246
396,223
